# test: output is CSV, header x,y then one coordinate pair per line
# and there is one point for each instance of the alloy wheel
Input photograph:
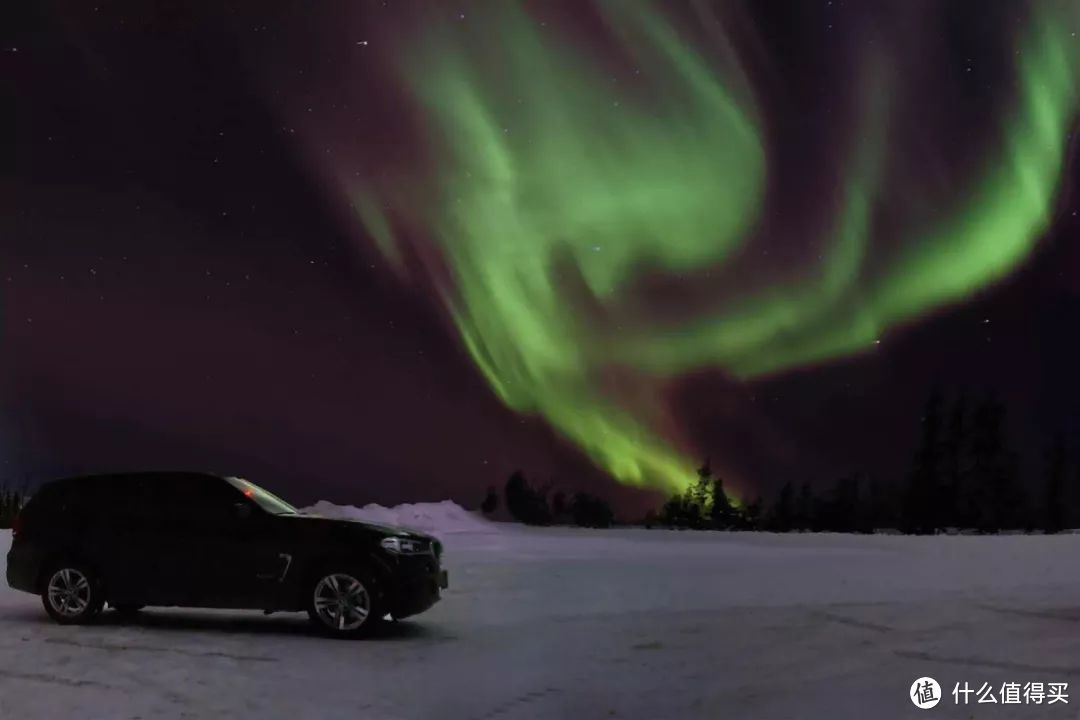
x,y
342,602
69,592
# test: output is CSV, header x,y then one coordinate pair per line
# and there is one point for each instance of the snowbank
x,y
439,518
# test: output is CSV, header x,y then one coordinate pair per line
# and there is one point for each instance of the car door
x,y
123,537
223,553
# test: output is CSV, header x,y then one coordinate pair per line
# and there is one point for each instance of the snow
x,y
627,623
438,517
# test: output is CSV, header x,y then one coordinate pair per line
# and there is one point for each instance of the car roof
x,y
105,479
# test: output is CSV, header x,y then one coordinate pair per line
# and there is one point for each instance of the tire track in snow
x,y
987,663
1063,615
518,702
54,679
853,622
107,647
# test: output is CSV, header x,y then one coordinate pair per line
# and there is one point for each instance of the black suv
x,y
198,540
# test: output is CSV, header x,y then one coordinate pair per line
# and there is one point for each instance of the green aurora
x,y
555,183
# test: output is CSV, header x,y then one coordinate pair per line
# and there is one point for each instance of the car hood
x,y
389,530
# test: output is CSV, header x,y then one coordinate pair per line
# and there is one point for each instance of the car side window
x,y
82,504
126,504
196,503
48,502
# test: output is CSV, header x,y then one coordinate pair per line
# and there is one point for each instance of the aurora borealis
x,y
557,175
395,251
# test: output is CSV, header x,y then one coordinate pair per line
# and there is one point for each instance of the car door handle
x,y
286,561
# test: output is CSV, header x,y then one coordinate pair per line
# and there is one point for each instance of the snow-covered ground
x,y
578,624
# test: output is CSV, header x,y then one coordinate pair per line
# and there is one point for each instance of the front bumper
x,y
414,592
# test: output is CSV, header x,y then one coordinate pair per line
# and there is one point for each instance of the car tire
x,y
345,603
71,593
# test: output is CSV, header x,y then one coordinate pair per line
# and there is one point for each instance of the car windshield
x,y
265,499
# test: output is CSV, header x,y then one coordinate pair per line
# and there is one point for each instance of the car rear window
x,y
50,499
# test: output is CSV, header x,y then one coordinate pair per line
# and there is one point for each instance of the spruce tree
x,y
491,501
993,471
783,514
806,509
721,512
954,446
924,481
1054,516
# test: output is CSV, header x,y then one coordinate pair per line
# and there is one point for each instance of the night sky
x,y
392,251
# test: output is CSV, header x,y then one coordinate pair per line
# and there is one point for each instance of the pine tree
x,y
491,501
750,516
588,510
806,509
953,500
525,504
924,484
783,513
721,512
1054,517
669,511
518,496
558,504
9,508
993,471
844,509
697,504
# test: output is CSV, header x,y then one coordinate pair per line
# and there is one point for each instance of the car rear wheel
x,y
345,603
71,594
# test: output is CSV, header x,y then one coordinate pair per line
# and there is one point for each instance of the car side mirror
x,y
243,511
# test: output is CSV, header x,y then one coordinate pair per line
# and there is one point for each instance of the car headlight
x,y
404,546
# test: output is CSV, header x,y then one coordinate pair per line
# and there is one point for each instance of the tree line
x,y
705,505
964,476
543,505
10,503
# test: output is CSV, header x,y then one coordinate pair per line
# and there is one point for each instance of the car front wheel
x,y
71,594
345,603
